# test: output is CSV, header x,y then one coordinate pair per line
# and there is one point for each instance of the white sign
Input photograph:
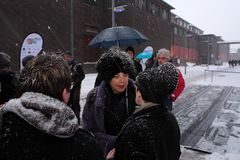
x,y
32,45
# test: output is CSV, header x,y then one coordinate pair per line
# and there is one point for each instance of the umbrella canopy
x,y
120,35
143,55
147,53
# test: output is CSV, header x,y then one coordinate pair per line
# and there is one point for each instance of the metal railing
x,y
212,71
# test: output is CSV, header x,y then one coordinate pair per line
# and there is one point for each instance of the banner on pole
x,y
32,45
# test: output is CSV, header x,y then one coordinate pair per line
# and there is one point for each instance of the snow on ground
x,y
199,75
214,75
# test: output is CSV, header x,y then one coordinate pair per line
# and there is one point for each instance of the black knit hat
x,y
113,62
67,53
156,84
129,48
5,60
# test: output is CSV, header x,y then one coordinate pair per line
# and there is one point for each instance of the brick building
x,y
185,40
52,20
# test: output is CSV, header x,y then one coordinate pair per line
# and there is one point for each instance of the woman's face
x,y
119,82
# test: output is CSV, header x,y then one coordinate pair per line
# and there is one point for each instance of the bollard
x,y
212,76
205,75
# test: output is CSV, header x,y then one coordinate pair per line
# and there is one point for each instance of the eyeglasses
x,y
163,58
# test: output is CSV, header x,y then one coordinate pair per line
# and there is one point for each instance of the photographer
x,y
77,75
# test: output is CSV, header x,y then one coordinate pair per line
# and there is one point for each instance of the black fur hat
x,y
113,62
156,84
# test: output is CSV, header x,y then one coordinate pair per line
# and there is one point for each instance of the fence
x,y
212,71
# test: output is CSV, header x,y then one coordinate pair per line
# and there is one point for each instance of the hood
x,y
45,113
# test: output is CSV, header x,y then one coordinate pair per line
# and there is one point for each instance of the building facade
x,y
72,24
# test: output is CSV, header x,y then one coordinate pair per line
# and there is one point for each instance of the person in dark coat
x,y
8,79
137,64
77,75
152,132
39,124
108,105
150,62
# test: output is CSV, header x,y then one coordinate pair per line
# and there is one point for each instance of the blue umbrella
x,y
146,54
120,35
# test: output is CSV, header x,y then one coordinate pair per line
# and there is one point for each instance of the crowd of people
x,y
127,115
233,63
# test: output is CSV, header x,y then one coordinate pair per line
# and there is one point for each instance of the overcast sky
x,y
219,17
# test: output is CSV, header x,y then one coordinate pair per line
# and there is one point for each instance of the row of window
x,y
92,2
152,8
143,5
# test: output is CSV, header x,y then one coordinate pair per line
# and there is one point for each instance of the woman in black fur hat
x,y
152,132
108,105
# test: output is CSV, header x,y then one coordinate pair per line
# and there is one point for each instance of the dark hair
x,y
129,48
47,74
68,53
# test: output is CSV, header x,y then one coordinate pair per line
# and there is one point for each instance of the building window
x,y
175,30
141,4
154,9
92,2
181,32
164,14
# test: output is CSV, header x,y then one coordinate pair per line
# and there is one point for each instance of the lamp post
x,y
186,36
116,9
207,56
113,13
208,52
72,28
185,47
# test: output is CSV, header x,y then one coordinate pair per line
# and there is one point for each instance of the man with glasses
x,y
163,56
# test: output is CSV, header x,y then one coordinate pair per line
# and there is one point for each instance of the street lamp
x,y
186,36
113,13
72,41
116,9
208,52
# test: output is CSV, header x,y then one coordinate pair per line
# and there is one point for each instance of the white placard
x,y
32,45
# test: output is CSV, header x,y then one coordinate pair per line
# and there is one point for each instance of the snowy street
x,y
208,111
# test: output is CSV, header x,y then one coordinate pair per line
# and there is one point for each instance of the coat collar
x,y
45,113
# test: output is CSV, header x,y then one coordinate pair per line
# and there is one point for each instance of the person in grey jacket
x,y
39,124
109,105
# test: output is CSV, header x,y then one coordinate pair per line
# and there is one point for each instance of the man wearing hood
x,y
39,124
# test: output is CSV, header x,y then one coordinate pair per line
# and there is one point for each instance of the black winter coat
x,y
31,129
8,86
150,134
77,75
